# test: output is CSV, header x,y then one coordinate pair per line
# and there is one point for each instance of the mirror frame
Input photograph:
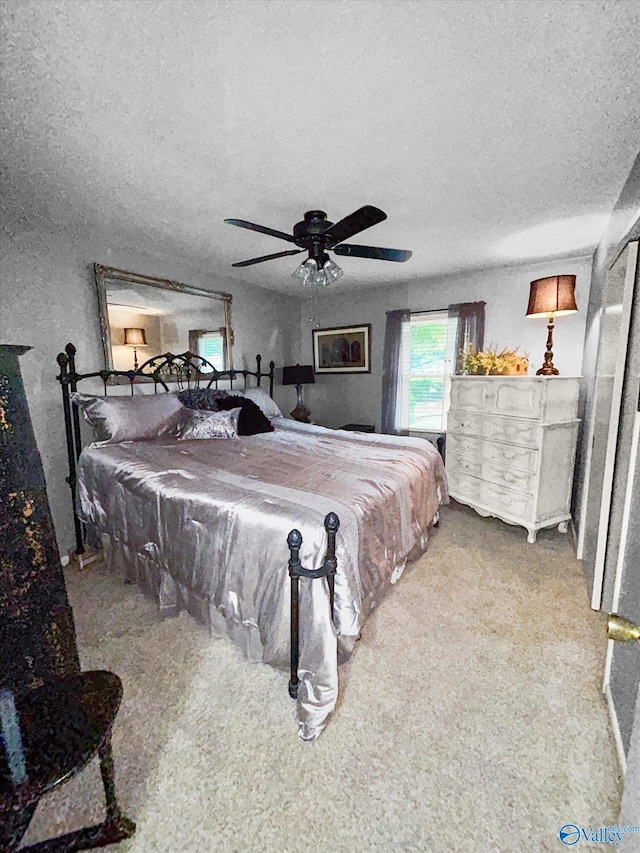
x,y
103,274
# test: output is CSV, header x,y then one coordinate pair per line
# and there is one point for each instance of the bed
x,y
205,525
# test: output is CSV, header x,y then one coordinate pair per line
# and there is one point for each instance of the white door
x,y
630,811
622,668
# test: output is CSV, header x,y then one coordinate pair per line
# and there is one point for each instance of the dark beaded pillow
x,y
202,398
252,419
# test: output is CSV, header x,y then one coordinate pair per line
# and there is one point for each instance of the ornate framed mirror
x,y
142,317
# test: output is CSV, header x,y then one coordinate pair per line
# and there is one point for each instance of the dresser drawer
x,y
465,424
466,445
489,496
462,486
464,464
538,398
513,478
504,500
512,456
492,428
505,455
511,430
484,469
511,396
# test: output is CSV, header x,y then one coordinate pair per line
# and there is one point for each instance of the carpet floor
x,y
470,716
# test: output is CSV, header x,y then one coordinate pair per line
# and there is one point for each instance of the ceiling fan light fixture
x,y
332,272
305,271
309,273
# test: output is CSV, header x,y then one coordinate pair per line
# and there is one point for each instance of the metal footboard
x,y
296,571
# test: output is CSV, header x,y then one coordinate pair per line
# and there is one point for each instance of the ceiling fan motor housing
x,y
309,234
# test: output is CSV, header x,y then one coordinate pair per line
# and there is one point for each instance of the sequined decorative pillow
x,y
196,423
201,398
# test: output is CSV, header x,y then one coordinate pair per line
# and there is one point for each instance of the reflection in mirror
x,y
142,317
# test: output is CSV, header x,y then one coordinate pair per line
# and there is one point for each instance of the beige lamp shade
x,y
135,338
552,296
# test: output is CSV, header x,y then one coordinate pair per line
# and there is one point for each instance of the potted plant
x,y
490,362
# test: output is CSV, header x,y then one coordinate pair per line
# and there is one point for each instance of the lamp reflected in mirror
x,y
551,297
135,338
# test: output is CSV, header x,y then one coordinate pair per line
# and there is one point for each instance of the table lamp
x,y
135,338
551,297
300,375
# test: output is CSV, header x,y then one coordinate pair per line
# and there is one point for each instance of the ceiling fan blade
x,y
357,221
399,255
267,258
241,223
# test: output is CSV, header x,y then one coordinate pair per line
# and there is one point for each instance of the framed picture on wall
x,y
346,349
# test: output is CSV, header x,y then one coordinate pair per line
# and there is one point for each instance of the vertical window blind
x,y
427,358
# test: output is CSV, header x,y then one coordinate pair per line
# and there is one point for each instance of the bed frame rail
x,y
296,571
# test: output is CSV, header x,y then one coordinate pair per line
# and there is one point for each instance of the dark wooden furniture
x,y
62,717
63,724
37,635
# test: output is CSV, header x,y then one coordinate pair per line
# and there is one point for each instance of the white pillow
x,y
139,418
262,399
198,423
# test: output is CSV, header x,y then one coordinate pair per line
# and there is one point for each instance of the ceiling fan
x,y
316,234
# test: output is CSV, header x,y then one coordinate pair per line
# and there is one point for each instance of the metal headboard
x,y
186,370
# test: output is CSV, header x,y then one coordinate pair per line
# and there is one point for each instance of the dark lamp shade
x,y
553,295
298,375
135,338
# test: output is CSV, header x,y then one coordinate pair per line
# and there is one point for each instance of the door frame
x,y
614,421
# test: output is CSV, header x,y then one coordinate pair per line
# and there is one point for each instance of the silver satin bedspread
x,y
203,525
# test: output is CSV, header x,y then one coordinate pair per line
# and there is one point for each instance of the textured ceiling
x,y
489,132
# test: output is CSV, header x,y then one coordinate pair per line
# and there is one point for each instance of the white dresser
x,y
511,443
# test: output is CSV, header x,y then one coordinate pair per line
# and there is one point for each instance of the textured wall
x,y
336,400
349,398
48,298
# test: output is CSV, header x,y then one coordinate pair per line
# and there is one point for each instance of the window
x,y
209,345
427,357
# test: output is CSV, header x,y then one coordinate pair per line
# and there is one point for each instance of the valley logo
x,y
570,834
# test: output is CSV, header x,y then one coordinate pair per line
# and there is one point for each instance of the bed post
x,y
296,571
330,565
259,374
294,541
73,384
66,362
